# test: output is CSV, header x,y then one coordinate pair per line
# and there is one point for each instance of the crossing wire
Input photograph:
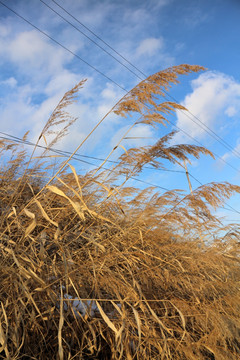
x,y
108,78
66,153
64,47
101,73
77,159
98,37
205,127
94,42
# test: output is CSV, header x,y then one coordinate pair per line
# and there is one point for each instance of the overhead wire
x,y
101,73
200,144
222,207
94,42
77,159
231,220
64,47
98,37
205,127
66,153
108,78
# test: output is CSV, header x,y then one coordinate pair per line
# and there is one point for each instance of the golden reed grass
x,y
94,270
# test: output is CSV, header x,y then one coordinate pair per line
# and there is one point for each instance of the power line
x,y
209,130
206,128
64,47
101,73
94,42
200,144
99,38
77,159
201,184
222,207
58,43
66,153
231,220
231,209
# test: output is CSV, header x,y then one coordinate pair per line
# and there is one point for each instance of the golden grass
x,y
91,270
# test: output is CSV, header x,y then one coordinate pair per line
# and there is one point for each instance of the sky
x,y
38,67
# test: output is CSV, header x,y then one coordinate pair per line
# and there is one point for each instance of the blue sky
x,y
35,72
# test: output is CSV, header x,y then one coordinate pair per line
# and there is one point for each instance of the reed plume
x,y
92,268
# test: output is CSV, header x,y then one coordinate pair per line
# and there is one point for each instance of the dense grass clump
x,y
94,270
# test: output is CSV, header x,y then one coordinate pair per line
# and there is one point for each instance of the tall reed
x,y
94,270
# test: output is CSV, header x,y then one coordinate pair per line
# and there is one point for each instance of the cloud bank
x,y
212,94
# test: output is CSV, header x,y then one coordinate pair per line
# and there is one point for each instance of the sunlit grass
x,y
94,269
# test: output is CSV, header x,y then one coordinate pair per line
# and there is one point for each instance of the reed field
x,y
92,268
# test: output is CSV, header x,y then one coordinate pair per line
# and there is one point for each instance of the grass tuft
x,y
94,270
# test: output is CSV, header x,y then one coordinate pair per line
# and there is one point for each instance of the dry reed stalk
x,y
94,271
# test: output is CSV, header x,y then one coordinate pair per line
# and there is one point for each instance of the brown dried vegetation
x,y
159,272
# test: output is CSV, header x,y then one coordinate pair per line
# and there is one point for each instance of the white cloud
x,y
229,155
149,46
30,52
212,94
136,17
89,113
91,14
142,133
231,111
140,16
194,16
38,82
61,83
12,82
4,30
148,53
41,71
110,95
20,113
109,92
16,113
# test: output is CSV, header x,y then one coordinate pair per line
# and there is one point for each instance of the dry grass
x,y
158,275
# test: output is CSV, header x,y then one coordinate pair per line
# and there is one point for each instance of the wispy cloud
x,y
194,16
30,53
230,154
149,46
212,93
139,135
